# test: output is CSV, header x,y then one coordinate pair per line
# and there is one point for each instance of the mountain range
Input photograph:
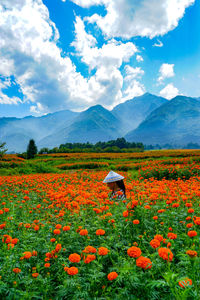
x,y
148,119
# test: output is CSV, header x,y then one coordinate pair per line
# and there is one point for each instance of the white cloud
x,y
166,71
4,99
129,18
169,92
113,53
158,44
105,85
132,73
139,58
6,67
134,89
29,52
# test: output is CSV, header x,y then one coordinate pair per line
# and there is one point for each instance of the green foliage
x,y
22,155
112,146
31,149
2,150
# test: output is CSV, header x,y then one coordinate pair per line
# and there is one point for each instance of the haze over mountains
x,y
148,119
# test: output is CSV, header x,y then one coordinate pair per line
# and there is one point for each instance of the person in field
x,y
116,185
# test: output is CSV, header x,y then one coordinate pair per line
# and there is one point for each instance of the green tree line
x,y
118,145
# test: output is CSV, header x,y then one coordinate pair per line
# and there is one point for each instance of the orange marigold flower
x,y
7,239
169,245
74,257
27,254
191,253
35,275
83,232
147,207
100,232
89,249
71,271
15,241
165,253
89,258
155,243
56,231
112,275
171,235
16,270
160,211
103,251
58,247
158,237
190,210
10,246
143,262
185,282
192,233
34,253
136,222
2,226
189,225
47,265
58,226
125,214
53,240
49,255
197,221
134,252
175,205
66,228
36,228
155,217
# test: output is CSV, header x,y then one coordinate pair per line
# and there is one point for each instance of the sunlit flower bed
x,y
62,238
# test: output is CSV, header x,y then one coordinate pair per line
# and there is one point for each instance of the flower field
x,y
62,238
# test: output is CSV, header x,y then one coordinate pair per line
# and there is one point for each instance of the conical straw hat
x,y
112,176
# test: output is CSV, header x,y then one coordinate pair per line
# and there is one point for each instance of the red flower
x,y
83,232
134,252
185,282
112,276
155,243
172,236
71,271
103,251
100,232
16,270
192,233
165,253
143,262
75,258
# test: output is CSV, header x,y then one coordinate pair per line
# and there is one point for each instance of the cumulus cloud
x,y
139,58
28,47
166,71
132,87
29,53
158,44
4,99
106,84
113,53
169,92
129,18
132,73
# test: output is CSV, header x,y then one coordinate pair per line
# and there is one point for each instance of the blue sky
x,y
58,54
